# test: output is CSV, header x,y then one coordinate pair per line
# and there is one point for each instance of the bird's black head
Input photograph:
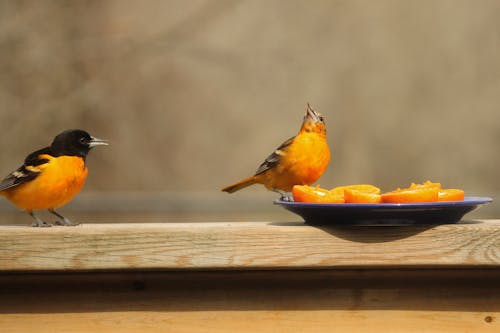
x,y
74,143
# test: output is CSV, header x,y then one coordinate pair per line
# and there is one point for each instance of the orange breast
x,y
304,162
60,180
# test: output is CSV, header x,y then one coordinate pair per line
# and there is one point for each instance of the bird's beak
x,y
97,142
311,114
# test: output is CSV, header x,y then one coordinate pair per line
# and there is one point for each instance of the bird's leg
x,y
65,221
38,222
285,196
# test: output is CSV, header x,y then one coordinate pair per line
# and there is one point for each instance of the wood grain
x,y
252,321
172,246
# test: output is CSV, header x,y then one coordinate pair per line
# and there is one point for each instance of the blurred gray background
x,y
193,95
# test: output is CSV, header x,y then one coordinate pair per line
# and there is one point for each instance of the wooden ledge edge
x,y
246,246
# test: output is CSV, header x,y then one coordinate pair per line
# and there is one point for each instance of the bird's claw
x,y
66,223
41,224
285,196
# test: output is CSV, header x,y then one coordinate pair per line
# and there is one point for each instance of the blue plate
x,y
384,213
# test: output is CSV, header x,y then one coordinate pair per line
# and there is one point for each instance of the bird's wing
x,y
274,159
28,171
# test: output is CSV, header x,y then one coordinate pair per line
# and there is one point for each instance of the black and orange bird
x,y
52,176
300,160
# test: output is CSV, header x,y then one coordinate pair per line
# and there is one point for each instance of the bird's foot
x,y
38,222
41,224
285,196
66,222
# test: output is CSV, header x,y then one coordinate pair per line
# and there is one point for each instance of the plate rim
x,y
384,214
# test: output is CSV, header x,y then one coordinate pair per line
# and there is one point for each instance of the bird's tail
x,y
239,185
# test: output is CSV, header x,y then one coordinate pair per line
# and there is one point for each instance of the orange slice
x,y
304,193
427,184
451,194
420,194
356,196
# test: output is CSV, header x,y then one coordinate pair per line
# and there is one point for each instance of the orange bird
x,y
300,160
52,176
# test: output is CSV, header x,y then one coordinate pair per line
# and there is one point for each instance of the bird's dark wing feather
x,y
28,171
273,159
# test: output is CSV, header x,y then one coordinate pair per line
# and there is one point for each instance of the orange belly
x,y
305,161
60,180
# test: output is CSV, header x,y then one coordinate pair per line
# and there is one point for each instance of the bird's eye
x,y
83,140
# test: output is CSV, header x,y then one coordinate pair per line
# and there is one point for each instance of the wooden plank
x,y
172,246
316,301
230,321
